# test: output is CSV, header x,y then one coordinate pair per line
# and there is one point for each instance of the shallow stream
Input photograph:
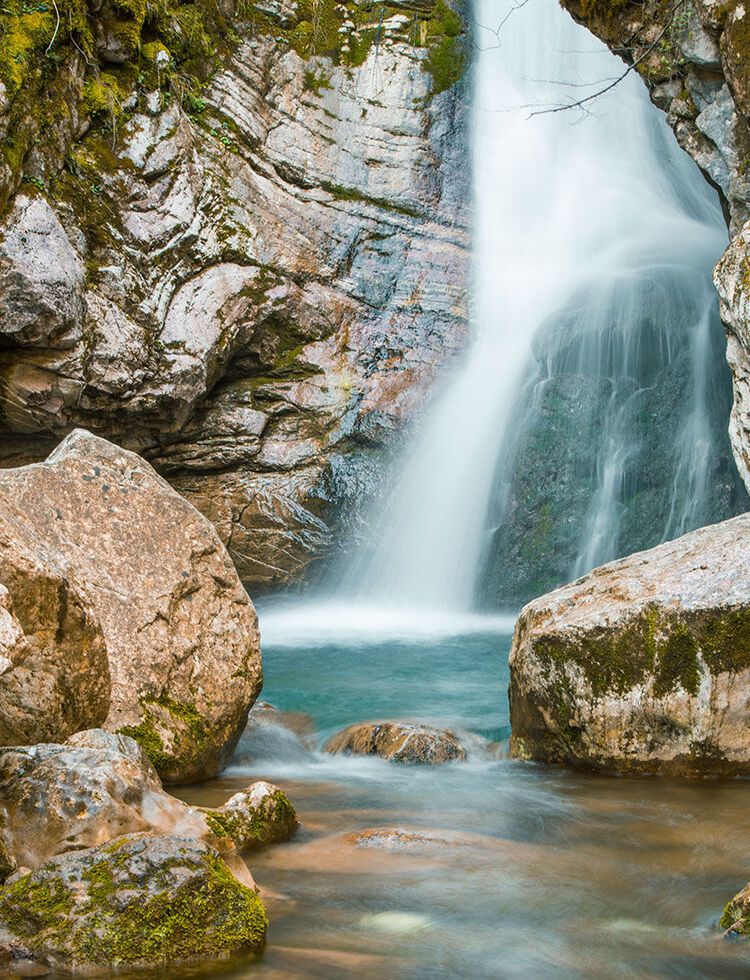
x,y
527,871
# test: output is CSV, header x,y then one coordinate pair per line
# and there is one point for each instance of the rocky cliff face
x,y
694,56
235,241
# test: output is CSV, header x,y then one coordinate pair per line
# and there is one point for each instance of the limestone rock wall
x,y
248,271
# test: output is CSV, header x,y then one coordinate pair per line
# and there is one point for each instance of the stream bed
x,y
524,870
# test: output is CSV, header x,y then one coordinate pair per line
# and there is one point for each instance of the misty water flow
x,y
594,239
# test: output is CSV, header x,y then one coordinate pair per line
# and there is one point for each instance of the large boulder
x,y
643,665
181,634
399,741
95,787
138,901
54,672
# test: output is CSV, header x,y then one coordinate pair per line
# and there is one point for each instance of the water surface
x,y
540,872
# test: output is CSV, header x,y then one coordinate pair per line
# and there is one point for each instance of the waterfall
x,y
594,240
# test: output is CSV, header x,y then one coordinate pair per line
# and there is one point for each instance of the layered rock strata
x,y
242,254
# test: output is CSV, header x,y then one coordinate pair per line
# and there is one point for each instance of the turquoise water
x,y
528,871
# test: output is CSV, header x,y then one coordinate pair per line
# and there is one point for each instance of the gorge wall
x,y
233,240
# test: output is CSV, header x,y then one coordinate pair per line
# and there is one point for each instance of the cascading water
x,y
594,240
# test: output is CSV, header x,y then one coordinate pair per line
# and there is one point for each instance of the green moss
x,y
208,921
223,824
315,81
270,822
101,97
352,194
667,648
31,37
446,56
151,742
724,639
603,10
188,736
729,916
208,918
28,907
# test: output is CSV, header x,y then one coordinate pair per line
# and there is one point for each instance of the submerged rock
x,y
399,741
260,814
643,665
151,586
138,901
403,839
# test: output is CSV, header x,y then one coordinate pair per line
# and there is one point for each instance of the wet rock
x,y
260,814
644,664
399,742
402,839
735,919
95,787
263,714
54,670
136,902
180,633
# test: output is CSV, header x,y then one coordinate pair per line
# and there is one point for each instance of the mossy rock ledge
x,y
643,665
135,902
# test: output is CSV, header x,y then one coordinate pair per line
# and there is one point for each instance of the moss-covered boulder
x,y
399,741
261,814
138,901
643,665
735,919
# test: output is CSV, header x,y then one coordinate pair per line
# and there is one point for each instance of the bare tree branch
x,y
581,103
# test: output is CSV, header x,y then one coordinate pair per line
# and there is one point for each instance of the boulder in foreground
x,y
148,575
399,741
99,786
136,902
95,787
643,665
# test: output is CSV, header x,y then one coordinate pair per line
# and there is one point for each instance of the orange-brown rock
x,y
399,741
175,625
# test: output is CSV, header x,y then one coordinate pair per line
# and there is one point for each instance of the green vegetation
x,y
271,821
210,915
179,723
654,645
446,58
315,81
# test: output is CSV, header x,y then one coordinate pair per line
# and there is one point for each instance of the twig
x,y
57,28
580,103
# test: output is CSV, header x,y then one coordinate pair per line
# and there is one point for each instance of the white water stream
x,y
593,218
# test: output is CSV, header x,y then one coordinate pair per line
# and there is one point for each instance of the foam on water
x,y
291,622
